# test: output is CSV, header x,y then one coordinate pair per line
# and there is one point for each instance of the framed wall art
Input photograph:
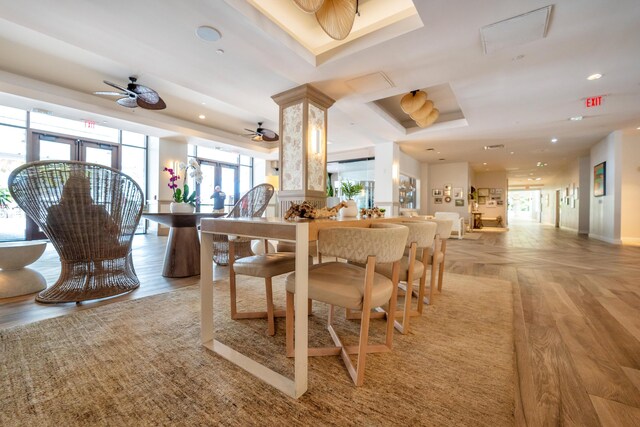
x,y
492,203
483,192
437,192
482,200
458,193
459,202
437,200
600,179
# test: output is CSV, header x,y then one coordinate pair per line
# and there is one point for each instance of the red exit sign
x,y
594,101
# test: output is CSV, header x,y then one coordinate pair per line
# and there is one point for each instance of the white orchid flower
x,y
182,166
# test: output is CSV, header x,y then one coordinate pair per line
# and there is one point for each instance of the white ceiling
x,y
519,96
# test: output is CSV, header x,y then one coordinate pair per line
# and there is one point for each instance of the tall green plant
x,y
350,190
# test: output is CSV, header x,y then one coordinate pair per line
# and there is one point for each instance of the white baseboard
x,y
575,230
605,239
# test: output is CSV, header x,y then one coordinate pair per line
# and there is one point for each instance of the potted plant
x,y
350,190
5,199
184,201
332,200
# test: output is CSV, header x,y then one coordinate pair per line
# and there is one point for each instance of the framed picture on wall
x,y
437,200
459,202
437,192
492,203
500,202
482,200
498,191
483,192
600,179
458,193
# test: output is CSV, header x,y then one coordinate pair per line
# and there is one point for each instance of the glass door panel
x,y
102,154
55,148
229,184
206,187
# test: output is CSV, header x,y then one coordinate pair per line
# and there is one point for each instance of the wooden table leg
x,y
182,256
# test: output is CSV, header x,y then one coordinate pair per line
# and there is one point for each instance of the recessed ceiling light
x,y
203,103
208,34
638,128
485,163
576,118
512,152
554,140
219,51
201,117
595,76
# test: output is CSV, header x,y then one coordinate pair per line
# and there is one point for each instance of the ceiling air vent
x,y
516,31
493,147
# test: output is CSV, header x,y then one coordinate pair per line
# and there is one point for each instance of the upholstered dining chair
x,y
435,256
266,265
90,213
252,204
420,240
347,285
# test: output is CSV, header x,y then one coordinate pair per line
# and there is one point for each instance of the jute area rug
x,y
140,363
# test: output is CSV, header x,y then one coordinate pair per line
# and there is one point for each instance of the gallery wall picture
x,y
459,202
500,202
484,192
437,192
458,193
492,203
437,200
447,199
482,200
600,179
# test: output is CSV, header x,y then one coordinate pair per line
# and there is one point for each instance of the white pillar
x,y
387,175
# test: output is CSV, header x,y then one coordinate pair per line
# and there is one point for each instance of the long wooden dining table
x,y
300,232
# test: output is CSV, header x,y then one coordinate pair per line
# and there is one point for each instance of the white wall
x,y
497,179
630,188
604,223
454,174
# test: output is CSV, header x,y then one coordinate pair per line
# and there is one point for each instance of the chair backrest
x,y
384,241
444,227
88,211
254,203
421,232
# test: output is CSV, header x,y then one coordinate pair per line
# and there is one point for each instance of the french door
x,y
58,147
214,174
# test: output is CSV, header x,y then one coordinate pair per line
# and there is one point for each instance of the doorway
x,y
214,174
557,221
523,206
59,147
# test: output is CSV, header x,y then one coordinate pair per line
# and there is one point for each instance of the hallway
x,y
577,321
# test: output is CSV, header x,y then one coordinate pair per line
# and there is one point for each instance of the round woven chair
x,y
90,213
252,204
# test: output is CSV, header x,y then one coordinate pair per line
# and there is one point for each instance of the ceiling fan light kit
x,y
419,108
135,95
335,17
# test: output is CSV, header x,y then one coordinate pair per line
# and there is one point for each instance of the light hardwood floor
x,y
576,316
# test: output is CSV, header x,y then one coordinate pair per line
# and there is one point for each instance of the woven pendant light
x,y
336,17
412,101
431,118
309,6
422,112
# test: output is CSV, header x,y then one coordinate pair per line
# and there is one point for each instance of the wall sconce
x,y
316,140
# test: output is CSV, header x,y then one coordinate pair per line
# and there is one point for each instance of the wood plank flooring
x,y
576,324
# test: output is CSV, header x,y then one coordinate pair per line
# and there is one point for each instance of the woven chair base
x,y
83,281
221,250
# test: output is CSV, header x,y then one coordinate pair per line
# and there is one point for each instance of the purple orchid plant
x,y
182,195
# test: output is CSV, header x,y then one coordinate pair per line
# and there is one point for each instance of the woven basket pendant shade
x,y
309,6
336,17
430,119
412,101
422,112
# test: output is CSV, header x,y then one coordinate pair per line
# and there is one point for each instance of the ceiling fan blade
x,y
159,105
253,132
127,102
116,86
110,93
268,134
148,95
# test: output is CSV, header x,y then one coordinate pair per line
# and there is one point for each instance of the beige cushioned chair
x,y
267,266
421,238
350,286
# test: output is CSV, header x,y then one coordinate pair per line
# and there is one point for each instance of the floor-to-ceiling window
x,y
13,153
30,136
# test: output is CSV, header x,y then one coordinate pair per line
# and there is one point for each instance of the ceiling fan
x,y
262,134
135,95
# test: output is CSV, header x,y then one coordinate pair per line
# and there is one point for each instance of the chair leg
x,y
441,266
232,281
271,330
364,324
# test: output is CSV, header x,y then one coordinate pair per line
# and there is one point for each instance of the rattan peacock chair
x,y
252,204
90,213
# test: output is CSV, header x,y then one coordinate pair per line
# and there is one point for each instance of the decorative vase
x,y
351,210
181,208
